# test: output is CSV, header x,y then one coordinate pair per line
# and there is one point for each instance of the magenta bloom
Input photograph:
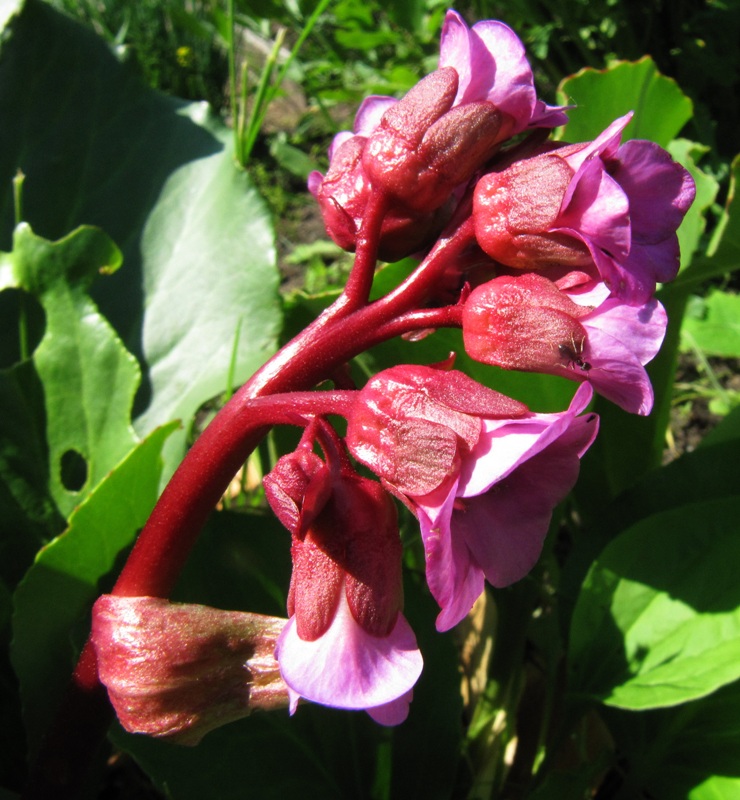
x,y
492,65
422,150
346,644
527,322
489,522
481,472
597,203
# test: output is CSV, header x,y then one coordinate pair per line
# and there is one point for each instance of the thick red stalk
x,y
344,330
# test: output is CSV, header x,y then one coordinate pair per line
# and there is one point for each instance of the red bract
x,y
424,148
411,423
179,670
527,322
523,322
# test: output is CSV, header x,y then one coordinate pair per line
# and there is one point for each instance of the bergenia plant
x,y
572,238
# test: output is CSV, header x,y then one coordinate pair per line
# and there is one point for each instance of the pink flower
x,y
489,522
597,203
481,472
492,65
527,322
422,151
346,644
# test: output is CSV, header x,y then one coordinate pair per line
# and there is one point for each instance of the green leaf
x,y
600,96
692,228
714,325
52,602
158,175
685,753
723,253
79,360
658,619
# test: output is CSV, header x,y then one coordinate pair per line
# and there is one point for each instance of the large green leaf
x,y
88,377
52,603
600,96
658,619
97,146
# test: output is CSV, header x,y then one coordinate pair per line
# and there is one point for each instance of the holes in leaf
x,y
74,471
22,323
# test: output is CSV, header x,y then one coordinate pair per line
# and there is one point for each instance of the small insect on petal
x,y
573,355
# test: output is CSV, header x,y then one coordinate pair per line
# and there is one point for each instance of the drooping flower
x,y
481,472
596,203
346,644
490,521
527,322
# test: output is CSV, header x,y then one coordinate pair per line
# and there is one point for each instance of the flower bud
x,y
524,322
343,194
178,670
424,148
515,211
411,423
602,204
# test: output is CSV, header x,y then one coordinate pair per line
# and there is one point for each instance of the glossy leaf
x,y
685,753
600,96
658,619
713,325
79,360
723,252
158,175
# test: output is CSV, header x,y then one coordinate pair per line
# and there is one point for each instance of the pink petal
x,y
454,49
505,528
347,667
640,329
454,580
369,113
503,446
509,85
660,190
605,145
393,713
617,374
597,206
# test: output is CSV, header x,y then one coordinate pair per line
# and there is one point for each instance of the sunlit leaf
x,y
658,619
600,96
157,174
714,325
88,377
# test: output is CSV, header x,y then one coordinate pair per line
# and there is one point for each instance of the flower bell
x,y
346,644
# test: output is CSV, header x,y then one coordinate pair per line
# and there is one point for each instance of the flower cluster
x,y
554,251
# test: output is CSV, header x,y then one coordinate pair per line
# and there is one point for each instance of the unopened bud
x,y
177,670
515,211
523,322
424,148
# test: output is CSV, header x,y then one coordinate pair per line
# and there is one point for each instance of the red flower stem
x,y
357,289
166,540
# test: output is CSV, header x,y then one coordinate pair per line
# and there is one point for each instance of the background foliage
x,y
140,268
